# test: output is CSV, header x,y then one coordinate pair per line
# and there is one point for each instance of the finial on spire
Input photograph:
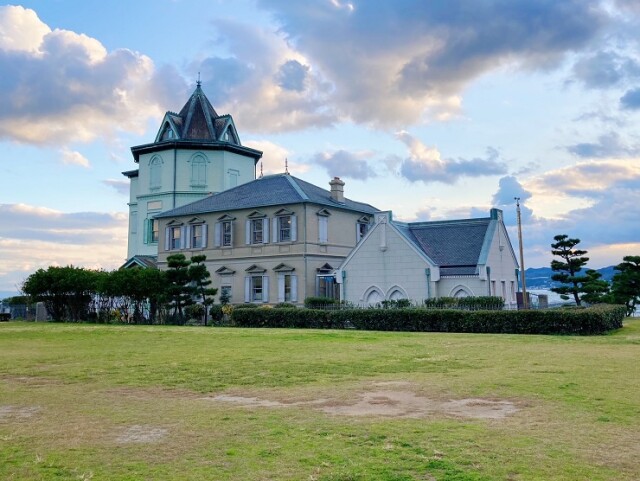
x,y
261,170
198,83
286,166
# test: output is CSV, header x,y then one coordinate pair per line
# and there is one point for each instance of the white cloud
x,y
274,156
427,165
33,237
60,86
72,157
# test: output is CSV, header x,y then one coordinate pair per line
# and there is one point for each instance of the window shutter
x,y
294,229
217,234
183,237
294,288
323,228
167,238
247,289
145,232
204,235
186,239
247,237
274,230
265,288
280,287
265,230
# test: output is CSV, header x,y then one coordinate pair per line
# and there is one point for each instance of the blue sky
x,y
433,110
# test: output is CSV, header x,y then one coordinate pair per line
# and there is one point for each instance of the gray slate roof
x,y
455,245
270,190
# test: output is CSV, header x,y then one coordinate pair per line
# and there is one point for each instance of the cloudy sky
x,y
434,110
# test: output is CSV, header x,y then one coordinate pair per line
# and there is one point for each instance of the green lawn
x,y
138,402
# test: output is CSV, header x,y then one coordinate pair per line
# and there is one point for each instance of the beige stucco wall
x,y
306,255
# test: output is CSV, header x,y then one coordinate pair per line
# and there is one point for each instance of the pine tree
x,y
568,270
179,292
595,289
626,283
200,279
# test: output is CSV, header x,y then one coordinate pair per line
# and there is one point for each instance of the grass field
x,y
83,402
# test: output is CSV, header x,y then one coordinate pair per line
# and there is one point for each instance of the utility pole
x,y
525,301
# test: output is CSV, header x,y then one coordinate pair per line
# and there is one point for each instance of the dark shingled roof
x,y
270,190
455,245
198,121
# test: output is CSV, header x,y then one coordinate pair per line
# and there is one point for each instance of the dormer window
x,y
168,133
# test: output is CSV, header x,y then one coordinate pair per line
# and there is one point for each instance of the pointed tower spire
x,y
286,166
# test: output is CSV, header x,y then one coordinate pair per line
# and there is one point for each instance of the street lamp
x,y
525,301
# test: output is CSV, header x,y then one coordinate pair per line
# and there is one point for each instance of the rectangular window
x,y
225,291
504,290
196,236
227,238
361,230
323,229
256,289
154,230
256,231
174,239
284,228
198,172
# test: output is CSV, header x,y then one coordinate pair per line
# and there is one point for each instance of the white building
x,y
423,260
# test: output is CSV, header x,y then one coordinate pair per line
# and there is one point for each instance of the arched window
x,y
155,173
373,296
460,291
198,171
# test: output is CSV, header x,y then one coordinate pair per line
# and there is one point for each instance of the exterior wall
x,y
472,286
306,255
503,264
393,267
386,262
149,201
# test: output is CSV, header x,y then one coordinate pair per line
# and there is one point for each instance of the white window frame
x,y
287,287
251,293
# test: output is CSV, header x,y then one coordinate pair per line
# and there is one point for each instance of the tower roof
x,y
198,121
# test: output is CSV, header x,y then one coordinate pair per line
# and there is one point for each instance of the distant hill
x,y
540,277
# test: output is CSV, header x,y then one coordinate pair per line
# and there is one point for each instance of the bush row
x,y
585,321
471,303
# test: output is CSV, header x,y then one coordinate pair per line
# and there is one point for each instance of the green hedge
x,y
303,318
593,320
471,303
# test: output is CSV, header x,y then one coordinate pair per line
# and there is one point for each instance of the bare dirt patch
x,y
142,434
395,400
17,413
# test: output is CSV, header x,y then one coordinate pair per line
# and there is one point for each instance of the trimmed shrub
x,y
285,305
246,306
215,311
396,304
593,320
467,303
319,302
299,318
